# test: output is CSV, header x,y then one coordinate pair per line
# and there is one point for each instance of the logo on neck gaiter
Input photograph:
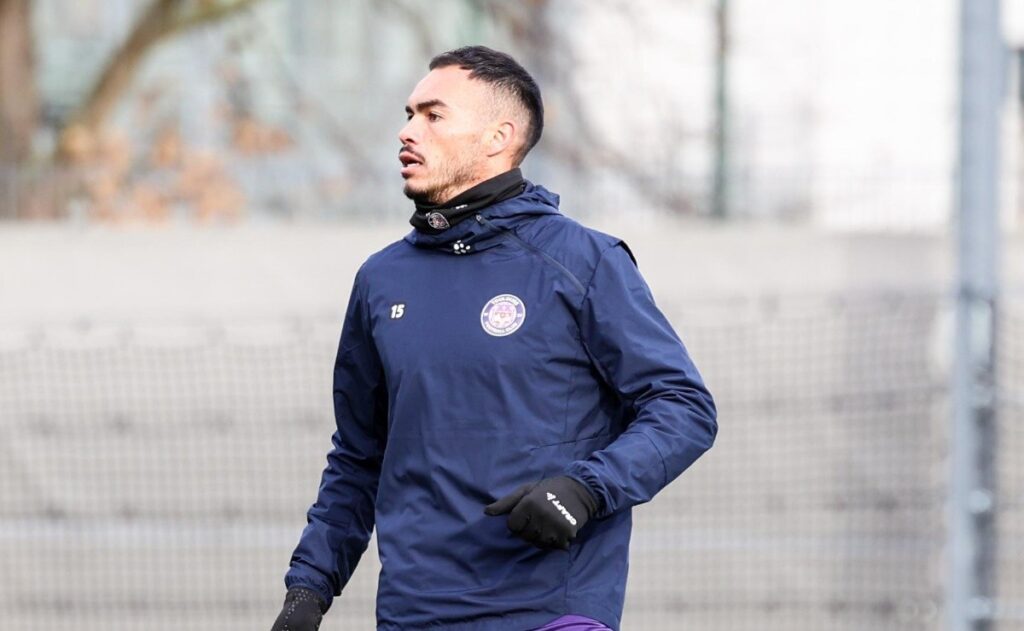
x,y
437,221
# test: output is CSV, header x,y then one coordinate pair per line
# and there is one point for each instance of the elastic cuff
x,y
586,496
582,475
321,591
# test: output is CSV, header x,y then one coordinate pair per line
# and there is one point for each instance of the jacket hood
x,y
485,230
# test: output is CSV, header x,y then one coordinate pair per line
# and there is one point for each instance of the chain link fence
x,y
157,476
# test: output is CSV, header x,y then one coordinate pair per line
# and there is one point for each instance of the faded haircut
x,y
511,81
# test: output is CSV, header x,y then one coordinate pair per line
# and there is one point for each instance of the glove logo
x,y
561,509
503,315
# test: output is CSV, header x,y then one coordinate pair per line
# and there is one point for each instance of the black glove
x,y
548,513
303,611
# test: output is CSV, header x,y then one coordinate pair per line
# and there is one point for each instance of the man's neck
x,y
446,196
435,218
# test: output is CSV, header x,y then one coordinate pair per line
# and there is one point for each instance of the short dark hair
x,y
503,72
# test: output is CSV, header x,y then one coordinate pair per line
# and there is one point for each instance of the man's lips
x,y
410,162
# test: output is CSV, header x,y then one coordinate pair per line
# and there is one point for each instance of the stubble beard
x,y
451,179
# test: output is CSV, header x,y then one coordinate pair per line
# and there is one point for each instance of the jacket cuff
x,y
581,473
318,587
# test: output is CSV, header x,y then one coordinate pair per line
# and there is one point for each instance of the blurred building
x,y
837,114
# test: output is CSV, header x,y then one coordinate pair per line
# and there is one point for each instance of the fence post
x,y
971,534
720,184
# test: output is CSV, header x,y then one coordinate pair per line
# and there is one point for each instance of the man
x,y
505,389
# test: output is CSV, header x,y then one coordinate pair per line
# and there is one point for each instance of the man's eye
x,y
432,116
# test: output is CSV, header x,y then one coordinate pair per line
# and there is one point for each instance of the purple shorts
x,y
574,623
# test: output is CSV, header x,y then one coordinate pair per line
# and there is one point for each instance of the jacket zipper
x,y
547,257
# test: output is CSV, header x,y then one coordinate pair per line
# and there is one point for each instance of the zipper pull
x,y
479,219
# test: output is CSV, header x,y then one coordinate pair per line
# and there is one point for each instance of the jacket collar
x,y
485,230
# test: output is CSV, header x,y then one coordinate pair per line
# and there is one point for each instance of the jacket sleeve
x,y
639,355
340,521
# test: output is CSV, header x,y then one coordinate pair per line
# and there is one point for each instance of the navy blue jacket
x,y
512,347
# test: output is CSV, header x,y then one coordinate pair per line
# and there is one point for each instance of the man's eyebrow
x,y
426,105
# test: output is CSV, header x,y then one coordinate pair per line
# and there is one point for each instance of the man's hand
x,y
302,611
548,513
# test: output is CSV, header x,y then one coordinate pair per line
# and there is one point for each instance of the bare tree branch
x,y
19,100
208,13
583,148
159,20
420,25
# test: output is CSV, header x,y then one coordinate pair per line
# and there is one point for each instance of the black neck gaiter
x,y
436,218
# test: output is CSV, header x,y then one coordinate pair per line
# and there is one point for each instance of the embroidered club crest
x,y
503,315
437,221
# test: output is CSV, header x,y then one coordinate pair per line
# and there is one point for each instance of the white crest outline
x,y
496,318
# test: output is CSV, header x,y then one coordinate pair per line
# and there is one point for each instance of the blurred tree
x,y
160,20
19,102
577,142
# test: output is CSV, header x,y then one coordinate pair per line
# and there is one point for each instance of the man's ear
x,y
500,138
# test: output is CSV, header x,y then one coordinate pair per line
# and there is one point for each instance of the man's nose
x,y
407,135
